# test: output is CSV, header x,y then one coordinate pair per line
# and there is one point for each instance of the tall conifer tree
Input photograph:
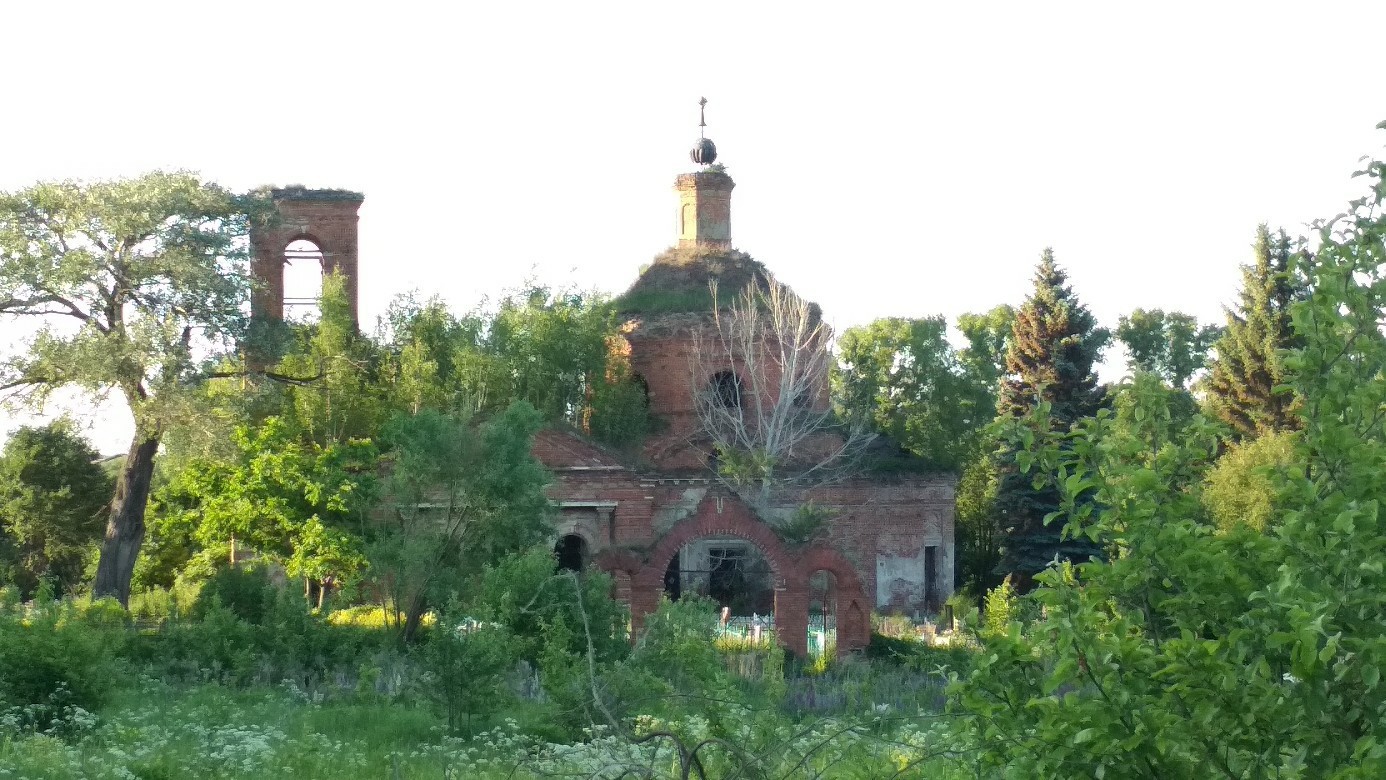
x,y
1247,369
1054,343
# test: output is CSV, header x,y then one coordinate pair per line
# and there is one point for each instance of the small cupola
x,y
705,195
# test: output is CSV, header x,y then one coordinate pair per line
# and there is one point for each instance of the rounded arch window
x,y
303,267
571,553
726,389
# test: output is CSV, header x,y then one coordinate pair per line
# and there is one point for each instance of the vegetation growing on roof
x,y
677,281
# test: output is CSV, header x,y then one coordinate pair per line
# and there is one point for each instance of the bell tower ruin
x,y
704,196
322,226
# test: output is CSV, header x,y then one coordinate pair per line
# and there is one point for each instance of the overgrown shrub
x,y
245,590
466,663
52,662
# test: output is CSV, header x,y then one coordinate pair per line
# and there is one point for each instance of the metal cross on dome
x,y
702,115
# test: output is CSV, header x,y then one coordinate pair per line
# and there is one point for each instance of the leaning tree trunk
x,y
125,529
413,617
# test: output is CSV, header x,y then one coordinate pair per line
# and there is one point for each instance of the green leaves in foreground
x,y
1198,650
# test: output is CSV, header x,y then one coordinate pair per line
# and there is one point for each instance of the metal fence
x,y
822,630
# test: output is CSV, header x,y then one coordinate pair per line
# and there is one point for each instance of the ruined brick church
x,y
661,522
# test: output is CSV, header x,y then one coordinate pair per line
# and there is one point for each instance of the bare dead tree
x,y
760,379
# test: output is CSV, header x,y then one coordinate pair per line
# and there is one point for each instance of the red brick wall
x,y
677,355
330,223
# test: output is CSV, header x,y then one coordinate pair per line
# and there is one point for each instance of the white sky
x,y
891,159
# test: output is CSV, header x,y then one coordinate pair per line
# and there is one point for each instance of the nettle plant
x,y
1194,650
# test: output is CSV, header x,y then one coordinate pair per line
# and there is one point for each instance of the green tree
x,y
1049,363
618,405
552,345
1172,345
52,493
129,281
556,349
988,338
332,378
296,502
1247,371
438,360
978,536
905,378
467,663
1202,651
457,497
1240,490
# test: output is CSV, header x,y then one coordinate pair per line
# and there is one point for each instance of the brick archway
x,y
719,514
328,218
853,623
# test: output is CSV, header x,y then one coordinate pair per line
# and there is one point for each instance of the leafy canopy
x,y
52,493
906,379
1196,651
1172,345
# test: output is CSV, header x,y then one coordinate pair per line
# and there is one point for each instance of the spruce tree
x,y
1054,343
1242,383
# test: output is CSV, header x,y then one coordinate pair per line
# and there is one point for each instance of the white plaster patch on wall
x,y
899,579
669,515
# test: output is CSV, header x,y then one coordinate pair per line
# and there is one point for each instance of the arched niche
x,y
303,272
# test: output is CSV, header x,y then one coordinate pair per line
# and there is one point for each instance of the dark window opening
x,y
726,389
644,387
931,576
571,552
673,583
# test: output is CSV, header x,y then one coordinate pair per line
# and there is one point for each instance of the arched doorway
x,y
822,613
303,271
730,571
719,518
571,553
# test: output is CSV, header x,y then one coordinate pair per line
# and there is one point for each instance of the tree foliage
x,y
458,496
1247,373
298,503
1054,344
988,339
1240,489
127,282
1199,651
52,497
906,379
1172,345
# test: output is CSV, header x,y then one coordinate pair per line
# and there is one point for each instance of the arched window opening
x,y
303,267
571,552
643,387
726,389
822,614
732,572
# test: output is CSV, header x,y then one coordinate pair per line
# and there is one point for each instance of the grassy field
x,y
155,731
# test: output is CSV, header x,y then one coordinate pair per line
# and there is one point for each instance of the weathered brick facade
x,y
876,542
328,218
888,542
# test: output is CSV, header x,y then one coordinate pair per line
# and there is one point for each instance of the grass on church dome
x,y
677,281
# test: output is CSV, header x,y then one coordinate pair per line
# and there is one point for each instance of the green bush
x,y
246,591
55,662
466,663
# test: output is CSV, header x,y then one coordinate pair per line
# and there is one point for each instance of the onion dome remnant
x,y
704,152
